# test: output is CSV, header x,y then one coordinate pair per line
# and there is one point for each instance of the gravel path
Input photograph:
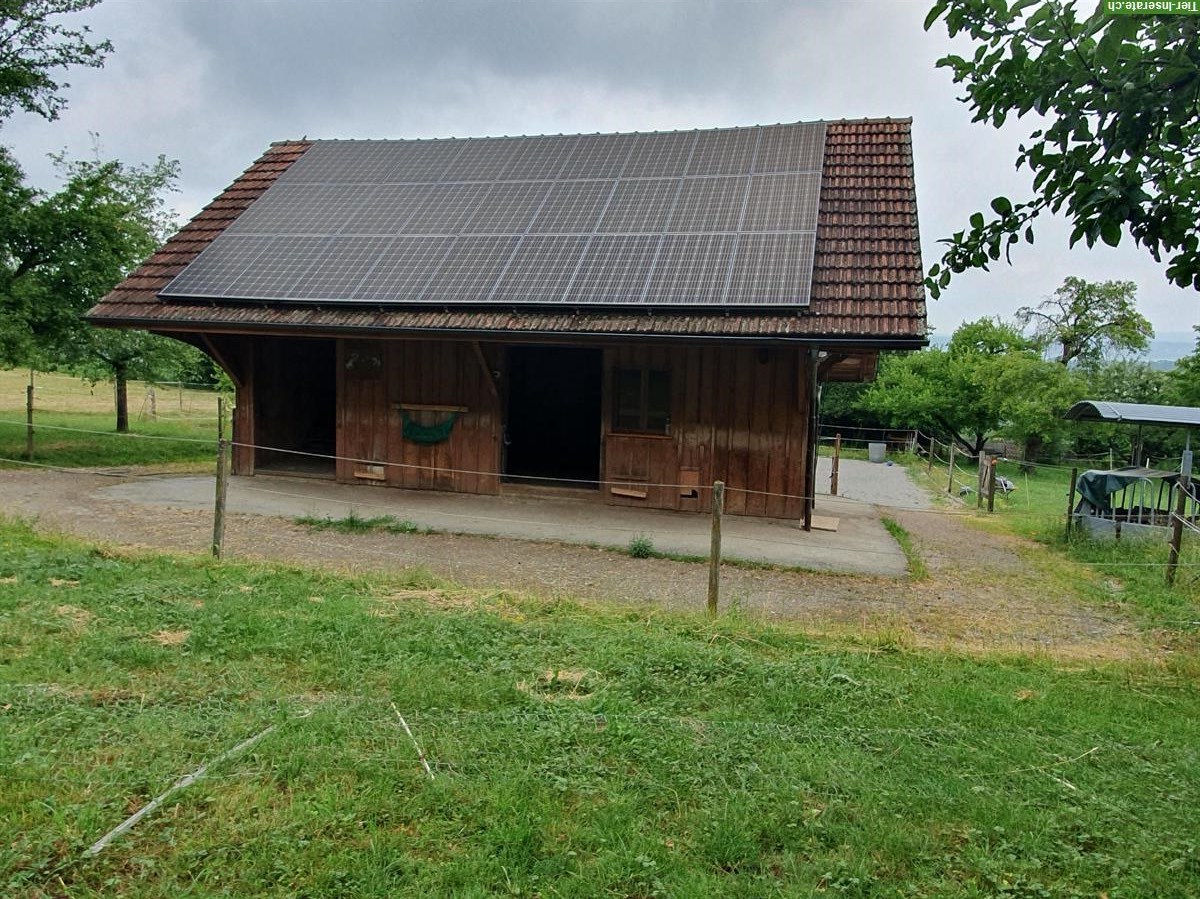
x,y
982,595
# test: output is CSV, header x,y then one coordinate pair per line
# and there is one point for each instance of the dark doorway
x,y
553,426
295,406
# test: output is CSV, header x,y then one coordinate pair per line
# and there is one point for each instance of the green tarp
x,y
1096,487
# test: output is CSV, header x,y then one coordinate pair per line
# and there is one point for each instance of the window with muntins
x,y
641,400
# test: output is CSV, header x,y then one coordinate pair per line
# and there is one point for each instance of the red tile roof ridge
x,y
907,120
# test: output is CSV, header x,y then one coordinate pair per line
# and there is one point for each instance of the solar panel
x,y
446,208
791,148
783,202
573,207
470,270
481,160
691,269
596,156
403,269
540,270
723,153
278,268
538,159
768,269
709,204
655,155
702,218
219,265
614,270
385,209
640,206
508,208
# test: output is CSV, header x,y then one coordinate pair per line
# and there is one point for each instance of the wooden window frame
x,y
644,416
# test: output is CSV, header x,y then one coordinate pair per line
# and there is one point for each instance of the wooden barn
x,y
635,315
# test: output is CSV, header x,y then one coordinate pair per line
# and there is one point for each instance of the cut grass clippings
x,y
356,524
639,547
916,565
576,752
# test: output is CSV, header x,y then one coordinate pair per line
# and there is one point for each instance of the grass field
x,y
575,751
75,423
1132,572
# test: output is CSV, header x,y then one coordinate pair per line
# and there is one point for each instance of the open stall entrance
x,y
552,430
295,407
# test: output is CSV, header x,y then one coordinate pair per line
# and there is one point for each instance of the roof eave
x,y
857,341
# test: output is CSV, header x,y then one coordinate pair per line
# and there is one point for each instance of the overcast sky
x,y
213,82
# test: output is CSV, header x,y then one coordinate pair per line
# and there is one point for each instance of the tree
x,y
126,355
1126,381
989,379
1185,377
34,47
1119,150
61,252
1087,319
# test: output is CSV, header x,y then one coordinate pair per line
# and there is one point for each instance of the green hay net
x,y
427,434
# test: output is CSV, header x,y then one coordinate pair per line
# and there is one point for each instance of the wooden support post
x,y
837,458
991,484
981,480
950,480
29,418
218,540
714,551
1071,500
929,466
1177,529
153,405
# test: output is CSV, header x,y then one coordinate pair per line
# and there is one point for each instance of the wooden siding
x,y
416,372
738,414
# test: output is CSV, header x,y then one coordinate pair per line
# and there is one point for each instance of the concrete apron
x,y
860,545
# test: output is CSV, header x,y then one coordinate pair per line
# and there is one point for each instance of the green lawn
x,y
75,423
88,439
576,752
1131,572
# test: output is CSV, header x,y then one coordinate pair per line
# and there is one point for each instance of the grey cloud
x,y
212,82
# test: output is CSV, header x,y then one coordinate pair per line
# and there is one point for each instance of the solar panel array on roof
x,y
725,217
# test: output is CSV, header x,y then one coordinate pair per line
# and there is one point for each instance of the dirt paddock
x,y
983,593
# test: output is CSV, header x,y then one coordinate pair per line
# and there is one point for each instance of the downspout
x,y
813,359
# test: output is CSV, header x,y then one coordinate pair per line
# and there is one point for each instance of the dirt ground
x,y
983,593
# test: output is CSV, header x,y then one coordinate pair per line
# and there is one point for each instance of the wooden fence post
x,y
1177,529
991,484
714,551
218,540
837,457
929,467
1071,500
981,480
950,482
29,418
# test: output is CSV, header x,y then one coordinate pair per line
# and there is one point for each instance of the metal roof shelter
x,y
1134,414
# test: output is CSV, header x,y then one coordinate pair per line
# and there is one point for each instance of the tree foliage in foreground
x,y
1119,149
35,48
1086,320
61,252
